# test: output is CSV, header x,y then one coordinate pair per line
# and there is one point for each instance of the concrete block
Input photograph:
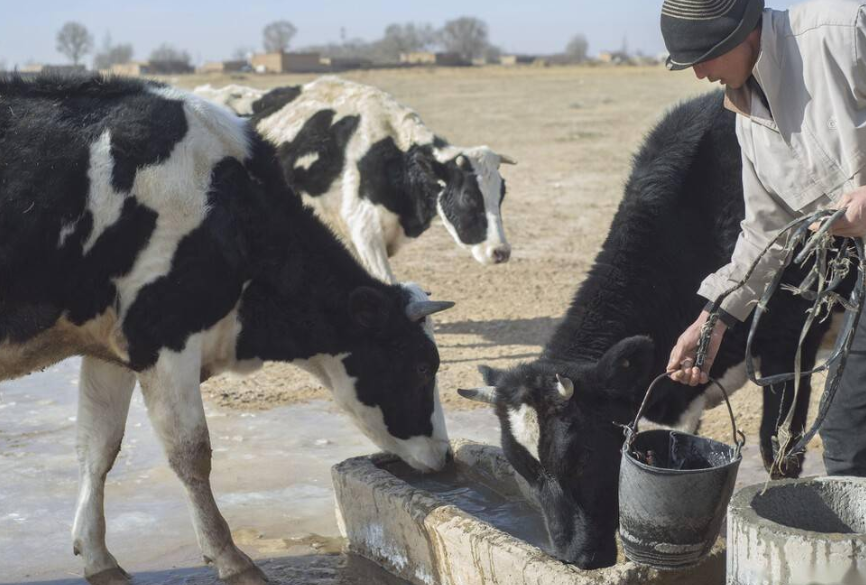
x,y
798,532
471,525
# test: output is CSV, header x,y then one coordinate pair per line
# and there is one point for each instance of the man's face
x,y
734,67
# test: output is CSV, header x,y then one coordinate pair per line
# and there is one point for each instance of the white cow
x,y
372,168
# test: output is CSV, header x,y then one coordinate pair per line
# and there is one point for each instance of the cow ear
x,y
419,165
490,375
368,307
627,363
421,179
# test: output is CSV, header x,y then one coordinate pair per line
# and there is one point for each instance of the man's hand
x,y
681,364
853,223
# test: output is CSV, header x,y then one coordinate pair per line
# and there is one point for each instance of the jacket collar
x,y
745,101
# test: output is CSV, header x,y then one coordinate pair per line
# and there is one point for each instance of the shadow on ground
x,y
502,331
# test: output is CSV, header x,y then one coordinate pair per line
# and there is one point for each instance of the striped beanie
x,y
700,30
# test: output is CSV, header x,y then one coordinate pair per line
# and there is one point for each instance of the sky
x,y
213,29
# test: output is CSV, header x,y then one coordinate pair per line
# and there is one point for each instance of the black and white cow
x,y
374,171
678,221
150,232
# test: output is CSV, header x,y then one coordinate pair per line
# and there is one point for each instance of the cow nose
x,y
501,255
595,559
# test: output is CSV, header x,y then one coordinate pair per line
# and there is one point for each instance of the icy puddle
x,y
271,478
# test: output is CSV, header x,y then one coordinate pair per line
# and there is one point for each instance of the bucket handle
x,y
631,430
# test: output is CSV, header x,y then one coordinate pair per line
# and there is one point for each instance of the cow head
x,y
559,431
470,201
386,377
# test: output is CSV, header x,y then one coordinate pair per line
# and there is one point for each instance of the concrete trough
x,y
798,532
469,525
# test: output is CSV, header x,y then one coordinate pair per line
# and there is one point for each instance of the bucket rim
x,y
664,471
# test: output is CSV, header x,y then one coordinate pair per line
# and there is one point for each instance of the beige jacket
x,y
812,148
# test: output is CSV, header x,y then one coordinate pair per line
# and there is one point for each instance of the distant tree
x,y
350,48
74,41
277,35
407,38
2,64
166,52
577,48
466,36
242,53
110,54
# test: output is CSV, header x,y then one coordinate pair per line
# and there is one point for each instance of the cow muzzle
x,y
492,253
424,454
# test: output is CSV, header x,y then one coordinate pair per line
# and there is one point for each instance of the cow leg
x,y
103,403
174,404
777,401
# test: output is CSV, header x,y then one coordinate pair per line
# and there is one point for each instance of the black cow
x,y
678,221
150,232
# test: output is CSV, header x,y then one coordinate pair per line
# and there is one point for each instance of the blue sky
x,y
212,29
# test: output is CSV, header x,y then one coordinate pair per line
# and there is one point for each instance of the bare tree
x,y
466,36
242,53
406,38
577,48
277,35
74,41
110,54
2,64
166,52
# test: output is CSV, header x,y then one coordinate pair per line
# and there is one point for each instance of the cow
x,y
374,171
152,233
561,415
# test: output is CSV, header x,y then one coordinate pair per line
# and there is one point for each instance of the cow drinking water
x,y
372,168
562,414
150,232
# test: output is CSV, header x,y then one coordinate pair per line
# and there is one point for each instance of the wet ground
x,y
271,478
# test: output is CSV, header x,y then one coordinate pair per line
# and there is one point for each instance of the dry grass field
x,y
573,131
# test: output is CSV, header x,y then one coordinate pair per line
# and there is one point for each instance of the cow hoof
x,y
788,467
115,576
250,576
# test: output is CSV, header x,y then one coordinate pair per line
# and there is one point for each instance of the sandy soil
x,y
573,131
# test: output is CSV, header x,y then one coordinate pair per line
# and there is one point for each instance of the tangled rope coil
x,y
832,260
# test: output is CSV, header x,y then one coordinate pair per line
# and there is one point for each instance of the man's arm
x,y
766,214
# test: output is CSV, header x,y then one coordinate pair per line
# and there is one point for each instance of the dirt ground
x,y
573,131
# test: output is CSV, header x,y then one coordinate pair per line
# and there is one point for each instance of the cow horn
x,y
417,310
486,394
564,386
506,160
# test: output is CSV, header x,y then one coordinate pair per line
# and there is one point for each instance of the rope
x,y
831,264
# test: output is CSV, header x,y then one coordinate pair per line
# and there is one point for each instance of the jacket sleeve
x,y
766,214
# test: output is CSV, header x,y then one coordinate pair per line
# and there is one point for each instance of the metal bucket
x,y
674,489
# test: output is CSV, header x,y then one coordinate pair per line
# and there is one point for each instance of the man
x,y
797,80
